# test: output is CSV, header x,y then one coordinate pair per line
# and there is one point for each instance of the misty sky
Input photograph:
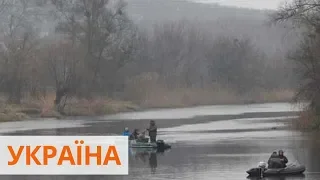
x,y
256,4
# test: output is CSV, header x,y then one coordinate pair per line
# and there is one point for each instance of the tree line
x,y
95,48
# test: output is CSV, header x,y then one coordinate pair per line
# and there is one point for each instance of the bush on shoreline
x,y
307,121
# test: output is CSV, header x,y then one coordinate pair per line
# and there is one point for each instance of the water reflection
x,y
147,156
153,162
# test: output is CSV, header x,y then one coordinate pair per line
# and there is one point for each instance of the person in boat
x,y
142,137
283,159
135,134
274,161
152,131
126,132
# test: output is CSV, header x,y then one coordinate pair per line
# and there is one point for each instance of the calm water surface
x,y
208,143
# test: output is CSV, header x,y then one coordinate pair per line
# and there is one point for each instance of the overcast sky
x,y
256,4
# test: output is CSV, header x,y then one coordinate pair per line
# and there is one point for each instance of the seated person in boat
x,y
283,159
274,161
140,137
126,132
134,135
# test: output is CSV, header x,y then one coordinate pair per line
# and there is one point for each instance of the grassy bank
x,y
44,108
165,98
153,98
148,91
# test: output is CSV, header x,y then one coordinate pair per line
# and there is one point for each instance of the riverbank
x,y
36,109
44,107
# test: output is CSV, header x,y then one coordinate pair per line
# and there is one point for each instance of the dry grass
x,y
4,117
161,97
47,106
13,112
279,95
98,106
44,107
146,91
264,96
82,107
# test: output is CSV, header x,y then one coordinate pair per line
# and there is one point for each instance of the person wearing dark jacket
x,y
135,134
274,161
283,159
152,131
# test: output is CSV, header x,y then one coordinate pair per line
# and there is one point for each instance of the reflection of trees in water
x,y
153,162
314,156
306,151
151,157
142,156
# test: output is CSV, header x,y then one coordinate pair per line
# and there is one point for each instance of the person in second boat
x,y
274,161
283,159
152,131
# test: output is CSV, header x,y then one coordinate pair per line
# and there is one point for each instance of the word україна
x,y
64,155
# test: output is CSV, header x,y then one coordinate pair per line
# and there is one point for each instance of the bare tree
x,y
306,15
98,22
20,42
64,63
308,69
301,12
235,63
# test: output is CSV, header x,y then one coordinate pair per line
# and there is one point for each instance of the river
x,y
208,143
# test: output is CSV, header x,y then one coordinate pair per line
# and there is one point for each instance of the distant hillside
x,y
218,20
152,11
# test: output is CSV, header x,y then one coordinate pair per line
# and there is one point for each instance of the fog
x,y
159,53
255,4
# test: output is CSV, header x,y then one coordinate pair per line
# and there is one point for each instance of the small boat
x,y
279,177
160,145
134,151
262,171
137,144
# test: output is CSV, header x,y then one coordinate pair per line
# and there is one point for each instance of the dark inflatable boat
x,y
160,145
291,169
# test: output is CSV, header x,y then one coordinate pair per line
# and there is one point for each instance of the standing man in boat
x,y
152,131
